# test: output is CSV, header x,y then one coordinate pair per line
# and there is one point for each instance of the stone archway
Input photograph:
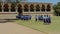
x,y
13,7
48,7
43,7
26,8
19,8
32,7
37,7
6,7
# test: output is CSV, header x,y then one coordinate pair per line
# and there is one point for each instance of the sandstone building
x,y
11,10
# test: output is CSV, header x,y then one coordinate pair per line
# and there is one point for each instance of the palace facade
x,y
11,10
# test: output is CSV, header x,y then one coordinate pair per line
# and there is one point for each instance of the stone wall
x,y
8,15
12,15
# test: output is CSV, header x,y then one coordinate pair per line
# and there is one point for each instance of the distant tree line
x,y
57,9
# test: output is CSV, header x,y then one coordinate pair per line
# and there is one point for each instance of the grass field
x,y
53,28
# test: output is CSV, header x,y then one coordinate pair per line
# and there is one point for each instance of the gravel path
x,y
13,28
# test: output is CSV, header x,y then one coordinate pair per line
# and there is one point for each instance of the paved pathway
x,y
13,28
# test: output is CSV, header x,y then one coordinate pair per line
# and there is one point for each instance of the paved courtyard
x,y
13,28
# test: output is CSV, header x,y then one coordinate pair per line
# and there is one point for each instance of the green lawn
x,y
53,28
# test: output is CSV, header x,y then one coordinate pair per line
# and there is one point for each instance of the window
x,y
26,8
32,8
12,7
6,9
43,8
37,7
48,7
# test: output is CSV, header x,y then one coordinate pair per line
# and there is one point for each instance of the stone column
x,y
9,7
22,7
16,9
28,7
40,7
34,7
2,7
45,7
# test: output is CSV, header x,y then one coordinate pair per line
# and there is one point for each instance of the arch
x,y
32,8
19,8
13,7
43,7
37,7
6,8
26,8
48,7
0,7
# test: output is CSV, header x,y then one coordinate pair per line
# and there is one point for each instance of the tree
x,y
57,9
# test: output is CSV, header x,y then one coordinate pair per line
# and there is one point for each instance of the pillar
x,y
28,7
2,7
45,7
35,7
22,7
40,7
16,7
9,7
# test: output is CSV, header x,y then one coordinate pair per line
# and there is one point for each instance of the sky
x,y
48,1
